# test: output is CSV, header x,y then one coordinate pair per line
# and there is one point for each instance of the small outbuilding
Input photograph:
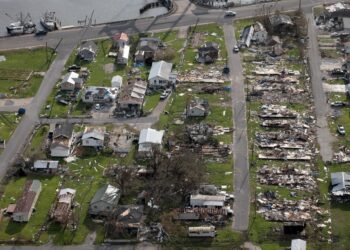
x,y
298,244
197,108
117,82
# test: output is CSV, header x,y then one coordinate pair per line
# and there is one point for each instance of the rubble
x,y
277,111
296,178
278,154
273,209
288,139
343,156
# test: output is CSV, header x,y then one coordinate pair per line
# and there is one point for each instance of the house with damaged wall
x,y
63,207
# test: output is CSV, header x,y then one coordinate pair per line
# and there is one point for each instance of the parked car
x,y
226,70
165,94
235,49
341,129
230,13
41,33
74,67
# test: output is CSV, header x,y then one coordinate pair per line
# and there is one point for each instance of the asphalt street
x,y
240,139
324,137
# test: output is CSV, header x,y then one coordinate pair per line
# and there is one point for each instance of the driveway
x,y
324,137
240,139
12,105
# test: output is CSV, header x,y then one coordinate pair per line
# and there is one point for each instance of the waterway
x,y
70,12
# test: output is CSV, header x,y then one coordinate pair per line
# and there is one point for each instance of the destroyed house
x,y
132,96
281,24
260,33
104,201
63,206
88,51
160,75
340,183
120,40
210,201
99,94
46,166
339,12
93,137
26,203
148,139
197,108
208,53
129,217
146,49
62,140
71,81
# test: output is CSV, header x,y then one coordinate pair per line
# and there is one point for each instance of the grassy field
x,y
16,68
151,101
25,231
8,123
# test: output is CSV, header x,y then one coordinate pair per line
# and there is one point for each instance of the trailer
x,y
204,231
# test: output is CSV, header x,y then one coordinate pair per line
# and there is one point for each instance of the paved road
x,y
324,137
240,139
19,138
187,14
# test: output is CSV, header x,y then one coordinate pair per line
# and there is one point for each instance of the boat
x,y
22,26
50,22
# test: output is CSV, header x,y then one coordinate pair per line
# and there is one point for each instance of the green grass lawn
x,y
26,231
151,101
8,123
35,147
25,60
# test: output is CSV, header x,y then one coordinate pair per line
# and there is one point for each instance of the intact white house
x,y
25,204
105,201
71,81
93,137
209,201
99,94
161,76
149,138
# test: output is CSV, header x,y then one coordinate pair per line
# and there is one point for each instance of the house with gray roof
x,y
45,166
281,24
88,51
25,205
62,140
340,183
161,75
104,201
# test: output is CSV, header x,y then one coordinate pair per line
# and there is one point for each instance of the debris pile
x,y
276,111
273,209
342,156
296,178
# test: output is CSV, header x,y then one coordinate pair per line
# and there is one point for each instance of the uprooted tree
x,y
175,178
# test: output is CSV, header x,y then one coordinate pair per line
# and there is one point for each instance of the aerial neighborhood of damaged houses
x,y
136,142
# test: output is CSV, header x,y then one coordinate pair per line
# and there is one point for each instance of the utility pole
x,y
299,5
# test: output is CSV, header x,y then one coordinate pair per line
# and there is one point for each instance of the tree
x,y
175,178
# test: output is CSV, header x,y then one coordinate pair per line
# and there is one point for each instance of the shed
x,y
117,82
298,244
